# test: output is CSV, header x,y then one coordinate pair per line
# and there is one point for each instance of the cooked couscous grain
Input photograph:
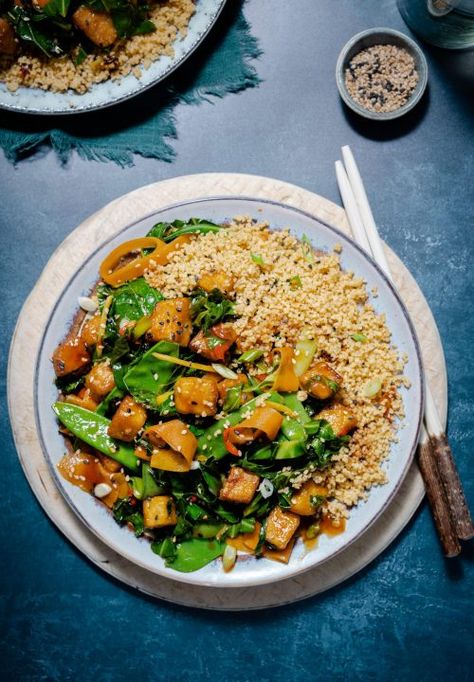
x,y
333,305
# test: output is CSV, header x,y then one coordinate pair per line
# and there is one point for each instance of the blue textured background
x,y
409,615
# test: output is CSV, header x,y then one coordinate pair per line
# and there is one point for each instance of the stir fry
x,y
58,27
192,443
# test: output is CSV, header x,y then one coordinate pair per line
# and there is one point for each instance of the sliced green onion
x,y
313,531
359,337
250,355
232,399
295,282
304,354
257,258
372,388
137,487
141,327
247,525
307,249
317,500
229,558
265,488
224,371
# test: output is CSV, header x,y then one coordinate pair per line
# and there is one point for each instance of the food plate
x,y
250,571
37,101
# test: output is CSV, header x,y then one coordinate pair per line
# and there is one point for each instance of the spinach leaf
x,y
169,231
324,444
146,26
134,300
125,511
67,385
209,308
56,8
119,349
149,377
26,30
80,56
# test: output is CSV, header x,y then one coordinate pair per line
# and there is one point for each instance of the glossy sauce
x,y
86,470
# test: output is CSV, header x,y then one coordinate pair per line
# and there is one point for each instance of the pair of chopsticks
x,y
443,485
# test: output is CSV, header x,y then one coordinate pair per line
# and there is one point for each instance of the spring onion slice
x,y
224,371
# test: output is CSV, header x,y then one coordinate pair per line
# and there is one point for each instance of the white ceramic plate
x,y
248,571
36,101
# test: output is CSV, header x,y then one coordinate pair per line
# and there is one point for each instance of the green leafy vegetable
x,y
55,8
209,308
150,377
125,511
79,56
169,231
25,25
134,300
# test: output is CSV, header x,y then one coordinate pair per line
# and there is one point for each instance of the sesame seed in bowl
x,y
381,74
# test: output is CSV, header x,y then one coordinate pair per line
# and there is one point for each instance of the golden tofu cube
x,y
301,501
340,418
159,511
217,280
240,486
98,26
171,321
196,395
281,526
127,421
321,381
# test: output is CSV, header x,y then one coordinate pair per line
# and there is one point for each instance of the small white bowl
x,y
381,36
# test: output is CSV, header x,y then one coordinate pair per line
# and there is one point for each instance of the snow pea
x,y
293,430
207,530
150,486
193,554
289,449
92,428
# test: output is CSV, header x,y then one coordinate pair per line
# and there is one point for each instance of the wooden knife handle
x,y
437,499
452,487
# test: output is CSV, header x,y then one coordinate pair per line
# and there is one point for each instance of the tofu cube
x,y
301,501
340,418
159,511
240,486
281,526
98,26
171,321
196,395
127,421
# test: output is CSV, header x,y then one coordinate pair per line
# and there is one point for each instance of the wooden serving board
x,y
26,343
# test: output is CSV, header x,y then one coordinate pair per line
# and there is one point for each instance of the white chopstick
x,y
373,245
350,204
365,211
432,434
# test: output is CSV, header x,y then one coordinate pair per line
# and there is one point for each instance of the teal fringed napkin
x,y
145,124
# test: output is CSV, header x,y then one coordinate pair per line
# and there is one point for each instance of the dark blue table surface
x,y
409,614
